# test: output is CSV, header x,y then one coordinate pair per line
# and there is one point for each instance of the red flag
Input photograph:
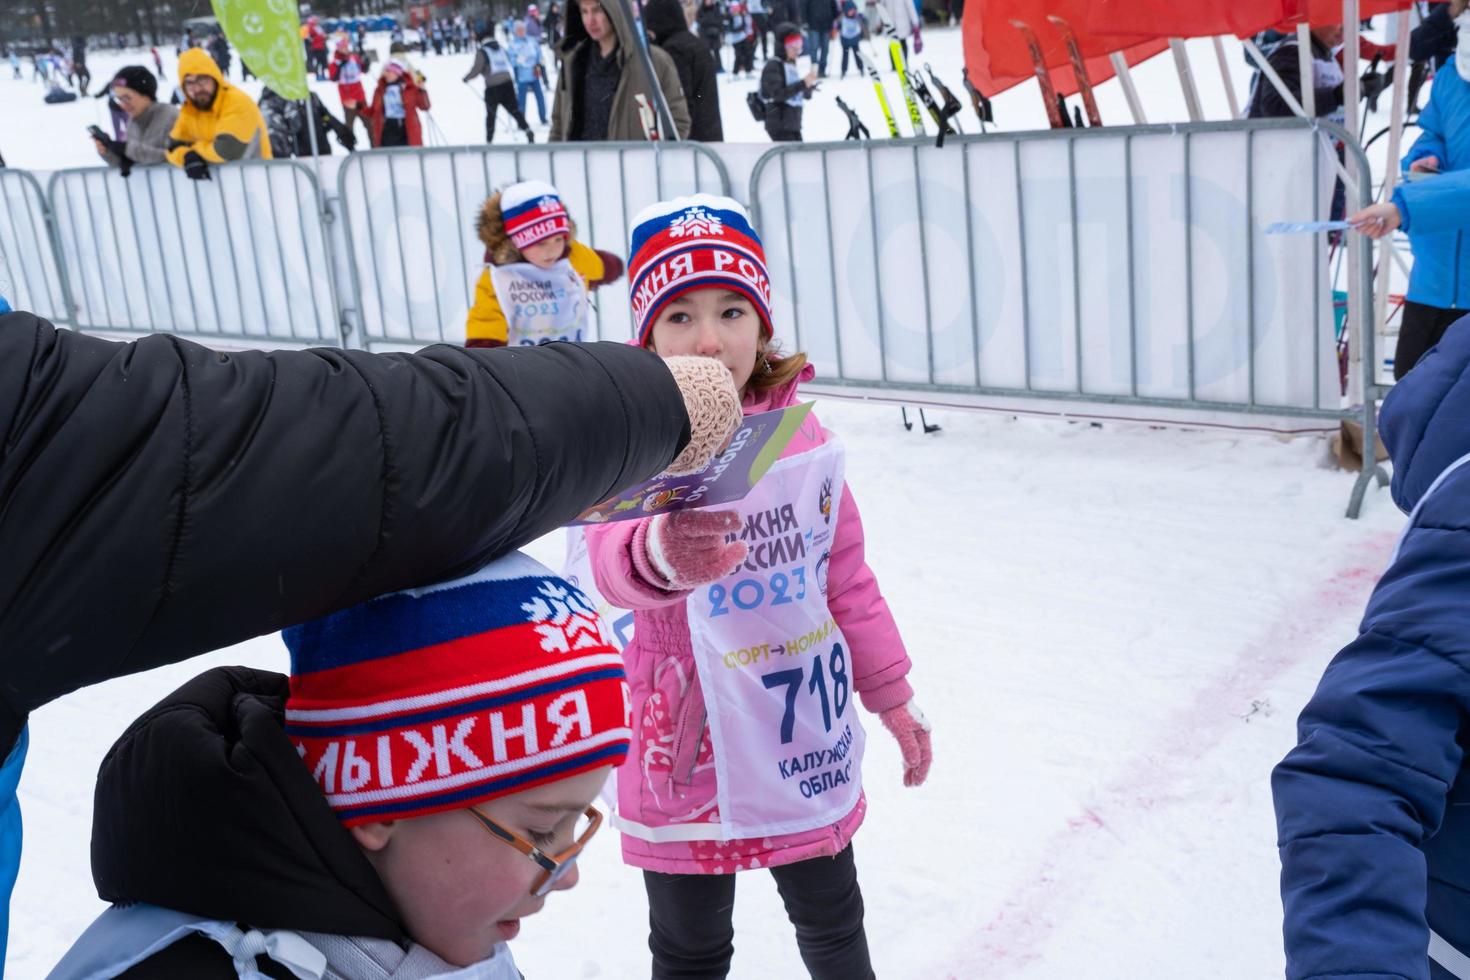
x,y
997,58
1207,18
1195,18
1321,12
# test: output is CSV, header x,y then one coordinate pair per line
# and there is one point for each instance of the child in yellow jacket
x,y
536,278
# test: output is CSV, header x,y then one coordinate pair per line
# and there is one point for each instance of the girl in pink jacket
x,y
756,631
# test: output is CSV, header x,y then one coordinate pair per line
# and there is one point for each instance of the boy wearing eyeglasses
x,y
395,809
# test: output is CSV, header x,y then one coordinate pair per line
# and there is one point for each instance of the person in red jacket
x,y
346,70
397,100
316,40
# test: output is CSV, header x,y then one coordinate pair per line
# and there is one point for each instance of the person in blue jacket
x,y
525,59
9,810
1432,211
1373,804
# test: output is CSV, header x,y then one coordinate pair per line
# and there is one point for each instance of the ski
x,y
952,107
1079,68
978,101
1043,75
895,55
872,73
916,82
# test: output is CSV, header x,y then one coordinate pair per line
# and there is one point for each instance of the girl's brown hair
x,y
772,370
490,226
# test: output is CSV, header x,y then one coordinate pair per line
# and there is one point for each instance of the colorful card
x,y
1306,227
757,445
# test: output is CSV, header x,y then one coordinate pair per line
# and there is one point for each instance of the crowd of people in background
x,y
579,58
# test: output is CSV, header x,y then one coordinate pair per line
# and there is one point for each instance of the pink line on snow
x,y
1017,934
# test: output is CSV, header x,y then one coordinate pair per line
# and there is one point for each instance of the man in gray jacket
x,y
598,90
149,121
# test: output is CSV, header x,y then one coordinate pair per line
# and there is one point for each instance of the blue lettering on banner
x,y
823,781
777,589
792,679
798,764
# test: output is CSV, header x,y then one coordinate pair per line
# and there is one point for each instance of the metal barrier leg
x,y
1371,471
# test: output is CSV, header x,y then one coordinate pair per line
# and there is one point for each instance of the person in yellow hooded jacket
x,y
537,275
217,123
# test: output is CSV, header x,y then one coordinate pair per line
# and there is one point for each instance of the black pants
x,y
1420,329
762,32
502,96
395,133
691,933
745,56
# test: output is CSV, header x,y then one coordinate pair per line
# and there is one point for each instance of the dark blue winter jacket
x,y
1432,211
1373,805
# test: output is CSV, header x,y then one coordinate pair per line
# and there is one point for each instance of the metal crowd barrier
x,y
34,279
410,223
241,259
1116,266
1122,267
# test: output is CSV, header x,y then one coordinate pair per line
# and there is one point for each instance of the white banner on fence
x,y
1127,265
236,260
29,278
415,254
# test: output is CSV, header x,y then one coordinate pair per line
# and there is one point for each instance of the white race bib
x,y
774,666
540,305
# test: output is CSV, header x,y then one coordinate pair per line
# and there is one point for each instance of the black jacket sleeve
x,y
1268,102
706,125
773,82
1434,39
159,499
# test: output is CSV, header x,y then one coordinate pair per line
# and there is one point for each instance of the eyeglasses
x,y
553,869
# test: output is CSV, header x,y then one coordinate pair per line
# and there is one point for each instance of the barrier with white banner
x,y
29,274
240,259
1108,272
411,215
1106,265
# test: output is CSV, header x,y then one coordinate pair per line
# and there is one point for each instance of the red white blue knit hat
x,y
439,698
532,211
696,242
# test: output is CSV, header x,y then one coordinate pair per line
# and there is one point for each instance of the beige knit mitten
x,y
713,404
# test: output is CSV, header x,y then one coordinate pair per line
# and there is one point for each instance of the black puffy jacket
x,y
665,21
783,122
159,499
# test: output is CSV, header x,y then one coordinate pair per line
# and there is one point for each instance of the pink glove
x,y
911,728
918,49
688,547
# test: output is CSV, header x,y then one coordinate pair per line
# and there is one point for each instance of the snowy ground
x,y
1112,631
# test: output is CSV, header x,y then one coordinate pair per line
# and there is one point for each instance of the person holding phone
x,y
1432,210
149,121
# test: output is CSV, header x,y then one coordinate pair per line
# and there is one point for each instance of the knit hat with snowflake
x,y
532,210
440,698
696,242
